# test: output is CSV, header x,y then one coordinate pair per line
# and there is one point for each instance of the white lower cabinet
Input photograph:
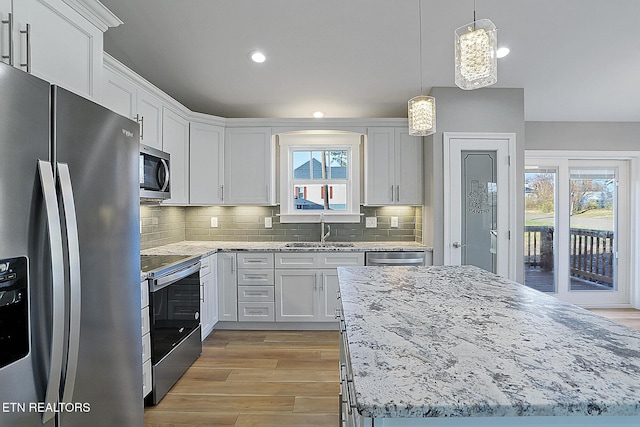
x,y
208,294
146,338
296,295
329,288
307,289
255,281
227,287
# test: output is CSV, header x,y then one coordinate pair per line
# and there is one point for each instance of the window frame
x,y
334,141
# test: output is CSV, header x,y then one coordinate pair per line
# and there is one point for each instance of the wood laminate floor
x,y
256,378
269,378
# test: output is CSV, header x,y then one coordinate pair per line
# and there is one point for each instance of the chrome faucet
x,y
323,236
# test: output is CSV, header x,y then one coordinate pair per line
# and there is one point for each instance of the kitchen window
x,y
319,177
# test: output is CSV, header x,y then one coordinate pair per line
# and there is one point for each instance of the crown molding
x,y
95,12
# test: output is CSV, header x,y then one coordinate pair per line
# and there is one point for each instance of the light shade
x,y
476,58
422,115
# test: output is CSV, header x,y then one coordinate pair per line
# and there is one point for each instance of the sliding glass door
x,y
540,228
576,230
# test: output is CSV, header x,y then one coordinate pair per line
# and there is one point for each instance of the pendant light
x,y
422,109
476,58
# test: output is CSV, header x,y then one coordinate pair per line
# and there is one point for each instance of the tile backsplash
x,y
161,225
166,224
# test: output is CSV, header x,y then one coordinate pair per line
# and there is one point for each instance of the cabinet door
x,y
119,94
150,112
408,168
213,291
208,299
296,295
379,167
248,171
64,49
329,301
175,141
227,287
205,303
206,153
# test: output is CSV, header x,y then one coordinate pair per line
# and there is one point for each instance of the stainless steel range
x,y
174,310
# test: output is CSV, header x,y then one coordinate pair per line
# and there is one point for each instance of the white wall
x,y
584,136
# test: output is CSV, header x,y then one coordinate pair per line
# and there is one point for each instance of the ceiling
x,y
577,60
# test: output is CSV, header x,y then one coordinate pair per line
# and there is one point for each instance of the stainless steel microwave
x,y
155,167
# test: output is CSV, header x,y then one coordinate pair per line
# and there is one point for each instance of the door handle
x,y
75,300
166,174
458,245
9,22
27,33
57,277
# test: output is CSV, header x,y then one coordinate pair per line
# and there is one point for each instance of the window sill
x,y
314,217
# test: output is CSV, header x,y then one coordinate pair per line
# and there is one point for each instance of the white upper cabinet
x,y
55,42
128,99
149,116
248,167
206,164
175,141
393,167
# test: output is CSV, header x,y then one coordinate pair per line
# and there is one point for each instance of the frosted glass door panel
x,y
479,209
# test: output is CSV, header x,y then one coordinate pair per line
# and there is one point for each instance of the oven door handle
x,y
165,281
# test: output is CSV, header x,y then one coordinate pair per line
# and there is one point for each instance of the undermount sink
x,y
318,245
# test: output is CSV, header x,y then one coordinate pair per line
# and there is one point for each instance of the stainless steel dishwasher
x,y
394,258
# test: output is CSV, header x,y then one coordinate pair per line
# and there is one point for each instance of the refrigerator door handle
x,y
75,302
58,292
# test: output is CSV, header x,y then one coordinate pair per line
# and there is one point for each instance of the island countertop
x,y
462,342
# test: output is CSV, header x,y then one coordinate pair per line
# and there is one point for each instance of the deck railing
x,y
592,252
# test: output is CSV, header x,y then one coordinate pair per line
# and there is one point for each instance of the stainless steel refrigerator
x,y
70,325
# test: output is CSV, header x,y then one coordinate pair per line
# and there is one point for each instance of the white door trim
x,y
510,139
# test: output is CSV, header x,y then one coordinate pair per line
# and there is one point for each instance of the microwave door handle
x,y
75,301
166,174
58,298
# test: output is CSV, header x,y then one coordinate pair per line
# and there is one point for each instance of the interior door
x,y
478,201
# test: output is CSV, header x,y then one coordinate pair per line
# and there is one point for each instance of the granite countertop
x,y
209,247
459,341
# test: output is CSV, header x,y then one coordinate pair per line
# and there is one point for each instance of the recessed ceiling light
x,y
257,56
318,114
502,52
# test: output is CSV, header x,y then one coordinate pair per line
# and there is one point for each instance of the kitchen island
x,y
458,346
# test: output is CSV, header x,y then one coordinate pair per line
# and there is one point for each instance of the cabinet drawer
x,y
256,312
248,276
146,327
296,260
338,259
146,377
144,294
255,260
146,347
255,293
205,266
